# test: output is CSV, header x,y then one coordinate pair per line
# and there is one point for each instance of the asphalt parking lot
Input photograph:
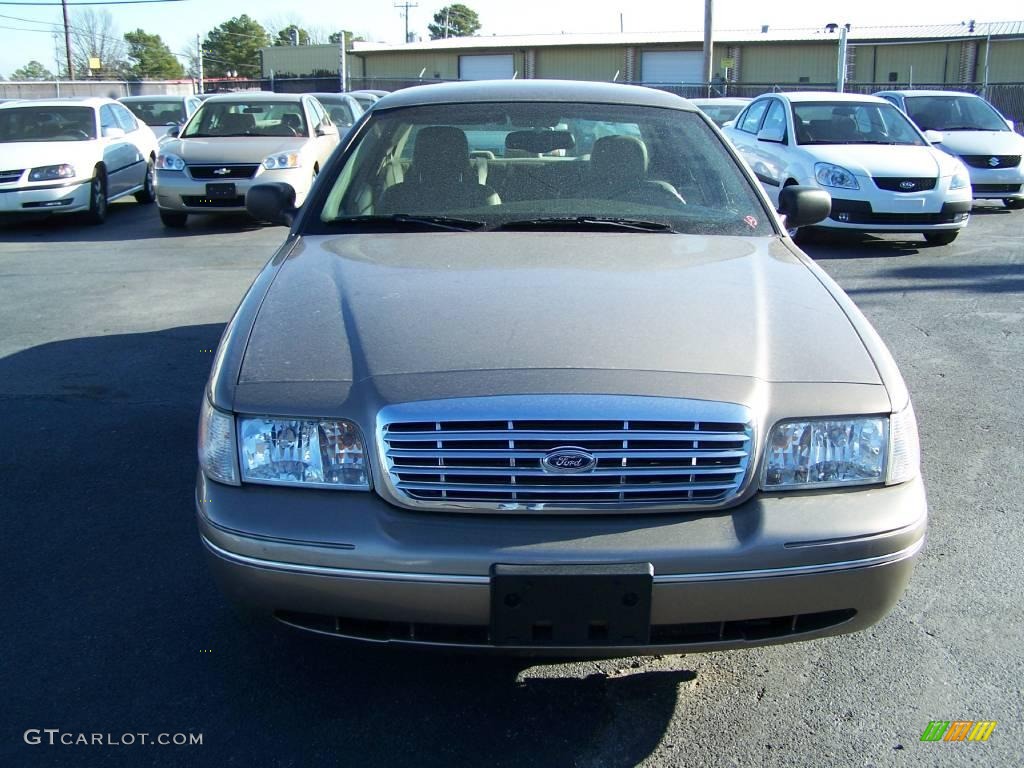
x,y
111,623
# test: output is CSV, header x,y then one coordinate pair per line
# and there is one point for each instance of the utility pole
x,y
405,6
841,66
708,44
199,53
67,40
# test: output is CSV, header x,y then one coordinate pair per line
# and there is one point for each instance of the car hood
x,y
982,143
32,154
886,160
233,149
353,307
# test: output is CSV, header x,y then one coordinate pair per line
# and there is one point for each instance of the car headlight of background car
x,y
829,175
825,453
52,172
169,162
283,160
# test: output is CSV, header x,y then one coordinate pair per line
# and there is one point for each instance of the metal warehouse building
x,y
928,55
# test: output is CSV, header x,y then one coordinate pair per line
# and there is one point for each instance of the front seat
x,y
293,121
618,171
440,177
237,123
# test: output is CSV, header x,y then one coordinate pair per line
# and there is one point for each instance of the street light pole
x,y
67,40
708,44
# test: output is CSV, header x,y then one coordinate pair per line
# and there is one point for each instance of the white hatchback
x,y
882,172
73,155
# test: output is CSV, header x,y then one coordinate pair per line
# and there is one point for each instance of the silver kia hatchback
x,y
538,370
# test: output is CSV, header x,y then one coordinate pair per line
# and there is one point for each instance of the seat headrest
x,y
441,152
619,158
237,122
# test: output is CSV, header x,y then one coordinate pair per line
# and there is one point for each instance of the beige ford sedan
x,y
236,140
538,370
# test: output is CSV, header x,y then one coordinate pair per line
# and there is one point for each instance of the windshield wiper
x,y
408,221
587,222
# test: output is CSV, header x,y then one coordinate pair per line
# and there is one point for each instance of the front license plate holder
x,y
221,191
571,605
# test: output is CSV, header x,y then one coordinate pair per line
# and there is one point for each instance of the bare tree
x,y
95,36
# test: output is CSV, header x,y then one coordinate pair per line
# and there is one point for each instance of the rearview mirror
x,y
273,202
803,206
113,133
774,134
540,142
934,137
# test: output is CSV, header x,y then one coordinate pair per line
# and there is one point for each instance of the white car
x,y
721,110
162,112
882,172
73,155
975,132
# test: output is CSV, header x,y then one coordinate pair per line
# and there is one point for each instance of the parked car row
x,y
899,161
192,154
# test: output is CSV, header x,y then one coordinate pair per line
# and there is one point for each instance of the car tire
x,y
1014,204
147,194
97,212
173,219
940,238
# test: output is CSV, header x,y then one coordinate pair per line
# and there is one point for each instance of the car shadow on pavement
x,y
977,278
126,221
843,246
114,624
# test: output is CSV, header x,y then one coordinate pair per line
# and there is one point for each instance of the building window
x,y
893,77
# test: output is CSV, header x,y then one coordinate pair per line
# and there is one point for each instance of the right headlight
x,y
317,453
169,162
836,452
829,175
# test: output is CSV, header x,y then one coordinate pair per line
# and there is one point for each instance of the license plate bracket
x,y
571,605
220,191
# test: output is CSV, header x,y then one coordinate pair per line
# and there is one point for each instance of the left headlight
x,y
824,453
320,453
960,179
282,160
52,172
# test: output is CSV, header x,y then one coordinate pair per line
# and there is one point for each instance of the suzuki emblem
x,y
993,161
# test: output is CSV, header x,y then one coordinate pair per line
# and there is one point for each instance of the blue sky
x,y
29,36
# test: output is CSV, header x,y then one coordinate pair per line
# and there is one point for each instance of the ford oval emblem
x,y
908,184
568,461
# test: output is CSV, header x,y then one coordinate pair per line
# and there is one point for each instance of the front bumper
x,y
177,191
775,569
998,183
66,197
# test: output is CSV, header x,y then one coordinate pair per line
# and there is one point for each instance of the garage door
x,y
495,67
672,66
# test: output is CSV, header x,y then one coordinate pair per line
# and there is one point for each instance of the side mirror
x,y
934,137
173,130
1009,123
729,124
273,202
326,129
775,134
113,133
803,206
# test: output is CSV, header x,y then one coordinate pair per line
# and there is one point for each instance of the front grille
x,y
1011,189
904,184
693,633
222,172
986,161
636,462
196,201
860,212
7,177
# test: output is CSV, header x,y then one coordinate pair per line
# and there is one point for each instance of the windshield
x,y
954,113
851,123
47,124
721,114
339,110
546,165
158,113
247,118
